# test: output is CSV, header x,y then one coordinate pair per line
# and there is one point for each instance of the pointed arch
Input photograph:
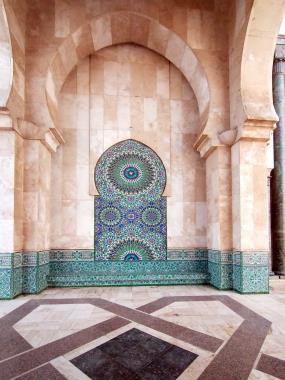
x,y
6,62
126,27
257,58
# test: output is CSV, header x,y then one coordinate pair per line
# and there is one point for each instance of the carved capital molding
x,y
50,141
6,122
31,131
49,137
228,137
256,130
279,56
251,130
205,145
279,66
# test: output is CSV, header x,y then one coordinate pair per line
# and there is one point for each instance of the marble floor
x,y
167,332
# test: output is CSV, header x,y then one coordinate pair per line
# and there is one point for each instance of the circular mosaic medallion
x,y
110,216
131,250
151,216
130,173
131,216
130,168
132,257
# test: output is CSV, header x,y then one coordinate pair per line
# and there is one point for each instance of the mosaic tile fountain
x,y
130,247
130,212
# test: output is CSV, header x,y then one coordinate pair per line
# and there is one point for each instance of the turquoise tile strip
x,y
220,268
35,270
65,255
31,272
76,268
188,254
10,275
23,273
251,271
116,273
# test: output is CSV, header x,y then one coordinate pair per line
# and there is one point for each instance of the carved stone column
x,y
217,153
250,209
25,154
11,207
39,144
278,174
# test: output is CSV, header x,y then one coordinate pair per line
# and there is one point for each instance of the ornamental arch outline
x,y
126,27
130,211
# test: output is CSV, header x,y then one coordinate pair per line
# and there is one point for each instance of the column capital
x,y
6,122
50,138
255,130
279,56
206,144
31,131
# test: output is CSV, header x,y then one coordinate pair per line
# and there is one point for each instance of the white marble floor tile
x,y
48,323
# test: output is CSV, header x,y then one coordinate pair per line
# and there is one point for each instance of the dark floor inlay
x,y
134,355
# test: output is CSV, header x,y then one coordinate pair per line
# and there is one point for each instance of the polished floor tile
x,y
42,336
134,355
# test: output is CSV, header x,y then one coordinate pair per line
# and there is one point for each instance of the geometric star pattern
x,y
232,358
130,212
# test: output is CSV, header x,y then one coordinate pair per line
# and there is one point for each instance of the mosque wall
x,y
122,92
70,101
16,12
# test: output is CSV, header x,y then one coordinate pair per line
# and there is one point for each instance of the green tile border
x,y
251,271
10,275
23,273
31,272
220,268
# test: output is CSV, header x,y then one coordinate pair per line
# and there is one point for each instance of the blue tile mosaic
x,y
130,212
104,272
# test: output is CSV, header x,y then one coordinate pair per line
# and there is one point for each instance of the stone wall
x,y
81,82
122,92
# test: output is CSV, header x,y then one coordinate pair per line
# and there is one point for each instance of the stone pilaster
x,y
25,155
250,208
11,208
217,154
38,147
278,174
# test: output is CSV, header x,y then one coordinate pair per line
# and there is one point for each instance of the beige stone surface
x,y
59,320
208,317
219,199
36,196
249,196
16,13
11,191
6,64
122,92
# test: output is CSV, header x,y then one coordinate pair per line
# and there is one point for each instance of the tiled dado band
x,y
82,269
23,272
243,271
31,272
